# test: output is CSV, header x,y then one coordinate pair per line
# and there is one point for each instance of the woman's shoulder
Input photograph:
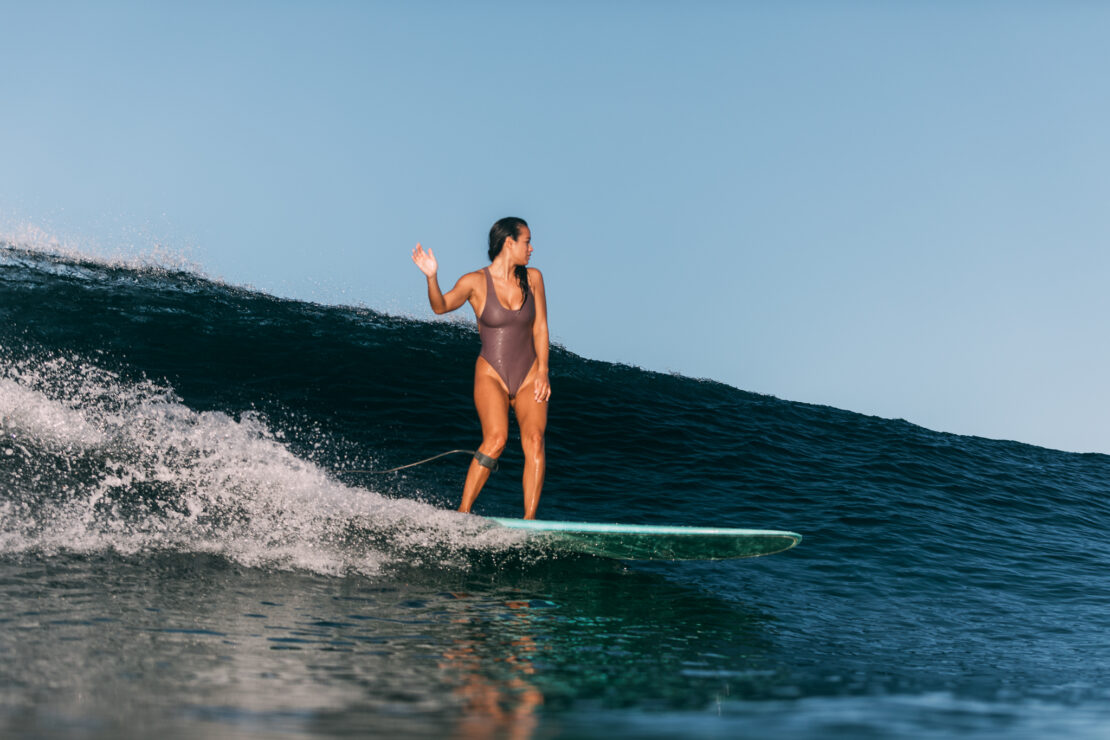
x,y
474,277
535,280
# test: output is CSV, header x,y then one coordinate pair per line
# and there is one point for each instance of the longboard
x,y
654,542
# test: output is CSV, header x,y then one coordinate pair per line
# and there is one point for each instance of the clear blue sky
x,y
897,208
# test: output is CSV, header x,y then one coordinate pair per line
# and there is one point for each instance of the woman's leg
x,y
492,402
531,416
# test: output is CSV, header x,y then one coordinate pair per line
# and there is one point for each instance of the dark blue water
x,y
183,554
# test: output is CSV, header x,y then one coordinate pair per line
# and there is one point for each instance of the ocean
x,y
186,552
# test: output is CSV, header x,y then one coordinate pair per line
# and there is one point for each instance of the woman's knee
x,y
532,443
493,443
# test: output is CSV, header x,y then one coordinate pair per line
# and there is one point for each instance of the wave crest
x,y
92,462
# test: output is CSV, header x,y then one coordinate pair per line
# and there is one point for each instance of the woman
x,y
511,371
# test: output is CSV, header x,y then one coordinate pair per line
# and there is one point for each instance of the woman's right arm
x,y
455,297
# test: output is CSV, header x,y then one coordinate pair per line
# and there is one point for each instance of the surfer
x,y
511,370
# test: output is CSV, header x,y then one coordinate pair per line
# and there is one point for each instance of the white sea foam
x,y
52,423
106,464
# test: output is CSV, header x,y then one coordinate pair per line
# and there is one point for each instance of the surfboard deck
x,y
656,542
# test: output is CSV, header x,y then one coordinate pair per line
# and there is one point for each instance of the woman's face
x,y
520,249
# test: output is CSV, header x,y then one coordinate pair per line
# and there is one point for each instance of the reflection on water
x,y
187,646
493,673
192,641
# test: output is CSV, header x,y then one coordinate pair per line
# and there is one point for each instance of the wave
x,y
146,406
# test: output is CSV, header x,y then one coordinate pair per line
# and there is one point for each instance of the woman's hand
x,y
426,261
542,388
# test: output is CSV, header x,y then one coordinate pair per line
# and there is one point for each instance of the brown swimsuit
x,y
507,343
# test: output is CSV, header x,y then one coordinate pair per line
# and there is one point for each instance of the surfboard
x,y
655,542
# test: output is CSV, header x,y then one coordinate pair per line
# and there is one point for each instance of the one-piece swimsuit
x,y
507,343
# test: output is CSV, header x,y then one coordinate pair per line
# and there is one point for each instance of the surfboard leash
x,y
418,462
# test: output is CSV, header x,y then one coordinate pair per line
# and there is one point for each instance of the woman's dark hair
x,y
509,227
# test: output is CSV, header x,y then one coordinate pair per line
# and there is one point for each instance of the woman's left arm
x,y
542,385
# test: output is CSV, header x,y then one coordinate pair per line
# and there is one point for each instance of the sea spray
x,y
97,463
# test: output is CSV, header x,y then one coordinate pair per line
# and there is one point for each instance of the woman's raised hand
x,y
426,261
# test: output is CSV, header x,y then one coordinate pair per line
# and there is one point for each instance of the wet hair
x,y
509,227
